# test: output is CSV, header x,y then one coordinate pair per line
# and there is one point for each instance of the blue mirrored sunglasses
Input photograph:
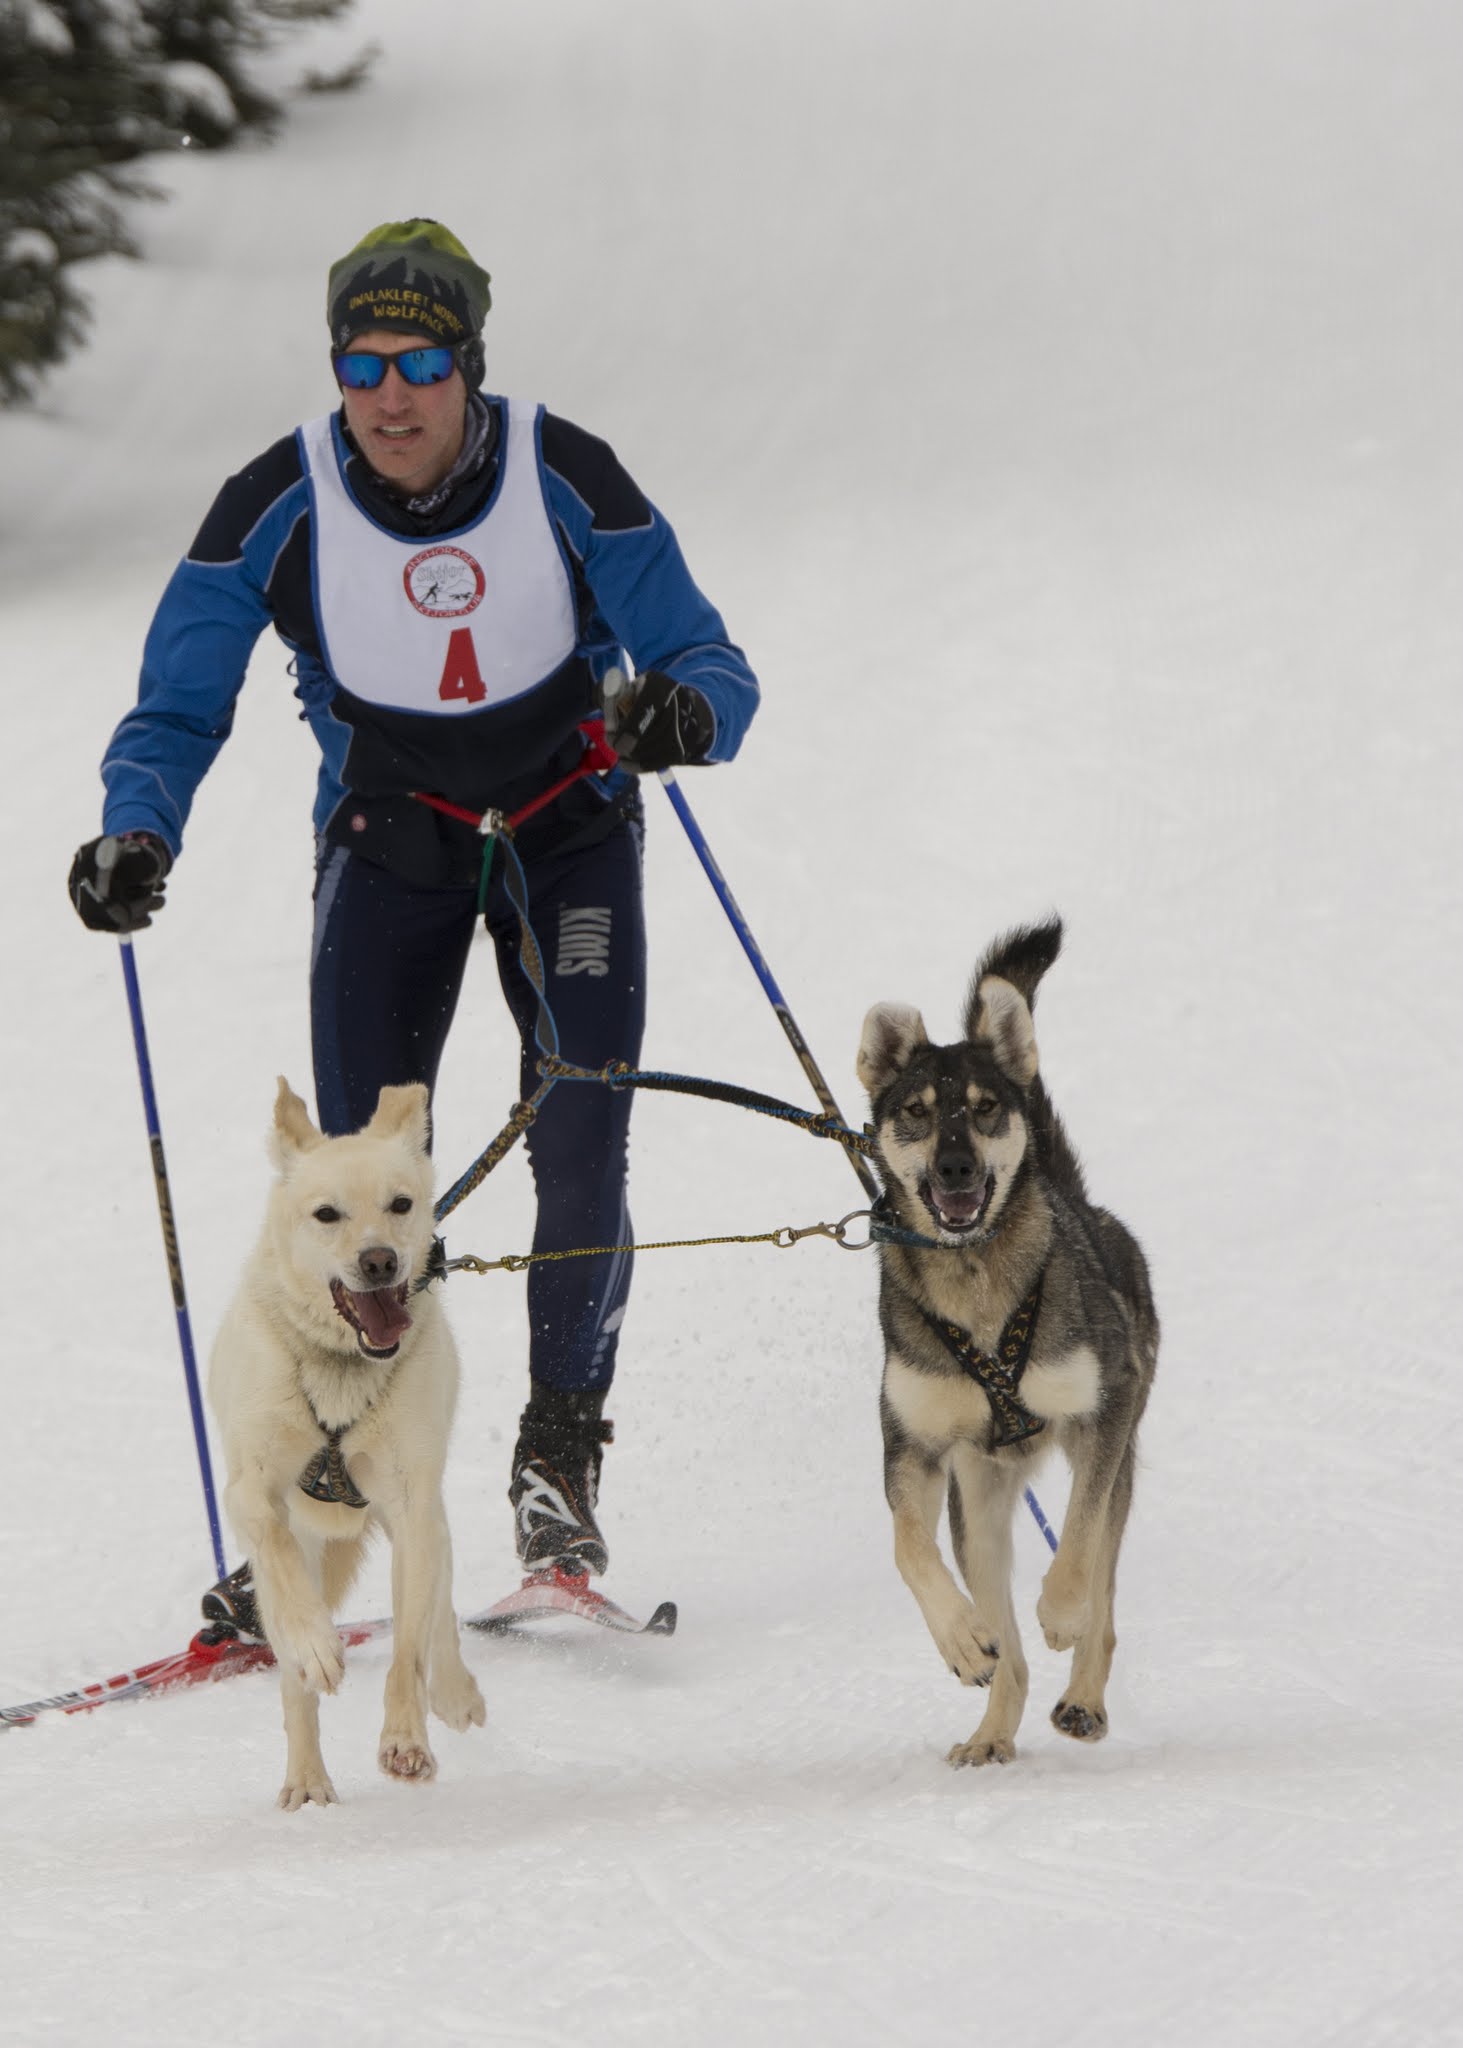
x,y
360,370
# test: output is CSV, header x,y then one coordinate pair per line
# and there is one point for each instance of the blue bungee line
x,y
821,1123
530,954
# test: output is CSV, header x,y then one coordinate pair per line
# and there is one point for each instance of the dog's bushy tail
x,y
1022,957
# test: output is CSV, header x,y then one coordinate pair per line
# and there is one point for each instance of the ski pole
x,y
170,1244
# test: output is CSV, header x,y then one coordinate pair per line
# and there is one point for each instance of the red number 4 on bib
x,y
461,676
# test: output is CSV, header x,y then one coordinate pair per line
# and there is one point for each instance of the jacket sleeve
x,y
633,565
197,649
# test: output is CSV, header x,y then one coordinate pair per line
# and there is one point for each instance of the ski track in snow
x,y
1060,403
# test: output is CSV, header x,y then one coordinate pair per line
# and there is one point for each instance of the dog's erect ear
x,y
402,1113
893,1034
1002,1020
293,1130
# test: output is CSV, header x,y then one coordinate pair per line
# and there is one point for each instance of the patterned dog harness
x,y
1011,1421
326,1478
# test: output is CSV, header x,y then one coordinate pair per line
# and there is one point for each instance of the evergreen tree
x,y
86,87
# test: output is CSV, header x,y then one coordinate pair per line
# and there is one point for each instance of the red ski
x,y
556,1591
216,1653
213,1653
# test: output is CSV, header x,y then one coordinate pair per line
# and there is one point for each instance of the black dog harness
x,y
1011,1421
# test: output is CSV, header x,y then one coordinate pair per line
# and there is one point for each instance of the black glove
x,y
667,725
117,883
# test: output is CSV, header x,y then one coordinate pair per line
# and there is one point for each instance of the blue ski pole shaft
x,y
764,974
170,1248
1041,1521
785,1017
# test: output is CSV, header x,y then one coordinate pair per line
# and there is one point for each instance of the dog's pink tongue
x,y
382,1317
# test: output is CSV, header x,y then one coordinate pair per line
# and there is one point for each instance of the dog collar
x,y
882,1231
1011,1421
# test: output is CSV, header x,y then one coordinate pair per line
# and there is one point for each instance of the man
x,y
454,574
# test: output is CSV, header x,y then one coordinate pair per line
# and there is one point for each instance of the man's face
x,y
411,434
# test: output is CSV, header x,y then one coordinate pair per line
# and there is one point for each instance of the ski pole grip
x,y
618,693
108,851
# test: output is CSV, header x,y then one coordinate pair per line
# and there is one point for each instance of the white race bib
x,y
446,626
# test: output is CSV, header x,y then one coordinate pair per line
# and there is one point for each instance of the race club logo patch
x,y
444,583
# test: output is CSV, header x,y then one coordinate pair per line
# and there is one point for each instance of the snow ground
x,y
1061,403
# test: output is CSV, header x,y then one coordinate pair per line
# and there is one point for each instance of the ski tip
x,y
551,1595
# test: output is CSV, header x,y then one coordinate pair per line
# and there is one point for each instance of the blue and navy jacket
x,y
251,566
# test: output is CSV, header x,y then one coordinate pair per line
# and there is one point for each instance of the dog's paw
x,y
303,1787
967,1646
407,1757
998,1749
320,1661
1064,1618
1083,1724
312,1649
456,1699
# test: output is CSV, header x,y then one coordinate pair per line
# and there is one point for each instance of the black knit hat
x,y
411,274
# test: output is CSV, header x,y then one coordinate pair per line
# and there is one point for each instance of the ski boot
x,y
555,1484
231,1605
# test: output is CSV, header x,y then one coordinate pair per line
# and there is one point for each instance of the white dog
x,y
334,1383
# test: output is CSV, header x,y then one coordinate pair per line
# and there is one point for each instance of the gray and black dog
x,y
1016,1314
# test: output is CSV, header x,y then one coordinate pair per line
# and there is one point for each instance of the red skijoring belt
x,y
598,755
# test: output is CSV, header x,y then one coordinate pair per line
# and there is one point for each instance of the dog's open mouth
x,y
959,1214
378,1317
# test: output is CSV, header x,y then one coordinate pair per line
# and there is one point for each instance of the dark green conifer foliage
x,y
86,88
